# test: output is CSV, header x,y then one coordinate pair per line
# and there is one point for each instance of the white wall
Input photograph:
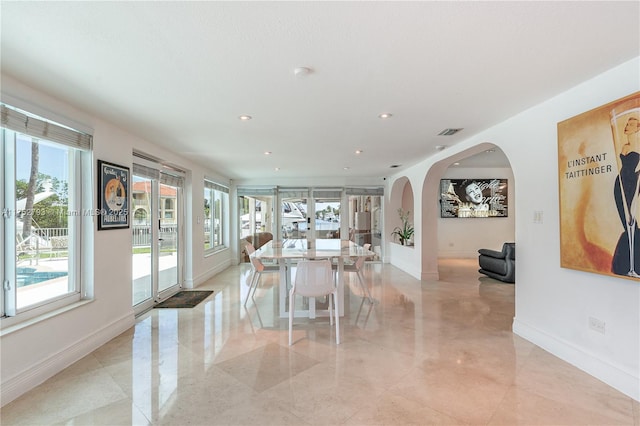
x,y
32,353
461,238
553,304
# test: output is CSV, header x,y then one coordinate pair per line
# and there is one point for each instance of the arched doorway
x,y
433,246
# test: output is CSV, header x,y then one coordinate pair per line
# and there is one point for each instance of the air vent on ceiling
x,y
449,132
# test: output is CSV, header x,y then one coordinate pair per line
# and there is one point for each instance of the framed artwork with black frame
x,y
474,198
113,196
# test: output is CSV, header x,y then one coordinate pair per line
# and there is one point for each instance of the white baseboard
x,y
210,273
430,276
405,258
407,266
16,386
458,254
613,375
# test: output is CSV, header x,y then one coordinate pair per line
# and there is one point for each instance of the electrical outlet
x,y
596,325
538,216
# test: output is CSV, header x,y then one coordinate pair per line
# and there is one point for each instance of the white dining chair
x,y
250,249
314,278
257,269
356,268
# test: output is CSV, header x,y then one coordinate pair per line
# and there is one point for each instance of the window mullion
x,y
212,219
9,283
74,224
3,223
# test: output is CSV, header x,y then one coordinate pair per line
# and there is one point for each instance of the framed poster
x,y
473,198
598,169
113,196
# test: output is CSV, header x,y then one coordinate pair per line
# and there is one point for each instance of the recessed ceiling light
x,y
385,115
449,132
277,169
267,153
245,117
456,164
302,71
359,151
490,150
346,168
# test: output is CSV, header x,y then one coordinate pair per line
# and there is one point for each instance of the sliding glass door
x,y
168,237
294,221
345,213
156,236
327,216
142,247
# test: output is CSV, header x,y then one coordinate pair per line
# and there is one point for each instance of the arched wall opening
x,y
401,198
433,247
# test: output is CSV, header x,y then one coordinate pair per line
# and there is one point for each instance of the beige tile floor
x,y
426,353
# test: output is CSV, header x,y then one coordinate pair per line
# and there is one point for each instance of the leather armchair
x,y
258,240
500,265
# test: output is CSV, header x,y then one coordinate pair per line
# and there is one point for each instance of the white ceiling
x,y
180,73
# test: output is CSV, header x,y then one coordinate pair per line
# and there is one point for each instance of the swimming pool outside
x,y
28,276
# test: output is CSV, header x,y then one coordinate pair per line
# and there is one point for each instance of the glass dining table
x,y
287,252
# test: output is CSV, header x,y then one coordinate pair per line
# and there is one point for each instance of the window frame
x,y
80,198
212,192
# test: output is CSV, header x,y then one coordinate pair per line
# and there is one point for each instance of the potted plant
x,y
405,233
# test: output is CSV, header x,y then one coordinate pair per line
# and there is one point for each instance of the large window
x,y
43,213
216,202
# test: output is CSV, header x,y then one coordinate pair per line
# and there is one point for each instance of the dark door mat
x,y
184,299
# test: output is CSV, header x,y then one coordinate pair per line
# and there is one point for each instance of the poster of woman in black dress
x,y
599,185
624,125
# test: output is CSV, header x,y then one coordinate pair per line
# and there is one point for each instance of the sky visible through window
x,y
52,161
